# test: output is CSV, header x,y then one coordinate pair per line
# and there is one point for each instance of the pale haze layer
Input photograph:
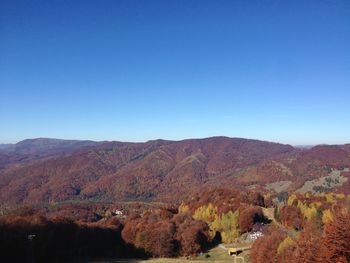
x,y
140,70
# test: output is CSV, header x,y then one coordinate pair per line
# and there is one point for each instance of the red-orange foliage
x,y
337,238
316,246
224,199
291,217
163,170
83,213
264,249
191,234
163,234
308,247
249,216
287,255
315,243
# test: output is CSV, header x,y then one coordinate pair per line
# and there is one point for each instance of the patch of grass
x,y
216,254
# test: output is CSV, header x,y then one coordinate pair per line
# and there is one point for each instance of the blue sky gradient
x,y
139,70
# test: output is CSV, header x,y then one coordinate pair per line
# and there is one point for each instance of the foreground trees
x,y
291,217
228,212
265,248
208,217
163,231
336,241
163,234
249,216
310,229
34,238
323,237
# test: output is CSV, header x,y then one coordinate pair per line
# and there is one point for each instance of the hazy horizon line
x,y
298,145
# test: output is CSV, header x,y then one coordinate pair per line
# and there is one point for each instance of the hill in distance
x,y
34,149
45,146
50,170
3,146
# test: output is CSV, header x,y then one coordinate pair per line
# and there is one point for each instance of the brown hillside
x,y
156,169
163,170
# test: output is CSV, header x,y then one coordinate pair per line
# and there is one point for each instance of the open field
x,y
214,255
324,183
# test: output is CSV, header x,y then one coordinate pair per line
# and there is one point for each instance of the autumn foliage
x,y
291,217
249,216
164,234
29,238
336,241
265,248
326,240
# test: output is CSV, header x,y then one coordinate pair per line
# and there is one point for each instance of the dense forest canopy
x,y
173,199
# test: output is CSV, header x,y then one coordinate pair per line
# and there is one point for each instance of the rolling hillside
x,y
52,171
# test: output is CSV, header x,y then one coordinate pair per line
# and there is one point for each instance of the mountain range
x,y
38,171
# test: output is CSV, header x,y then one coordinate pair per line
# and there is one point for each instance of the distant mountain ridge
x,y
41,145
34,149
46,170
5,145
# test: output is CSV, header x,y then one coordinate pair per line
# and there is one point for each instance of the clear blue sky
x,y
138,70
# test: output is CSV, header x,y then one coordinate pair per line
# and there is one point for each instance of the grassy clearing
x,y
279,186
323,183
216,255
